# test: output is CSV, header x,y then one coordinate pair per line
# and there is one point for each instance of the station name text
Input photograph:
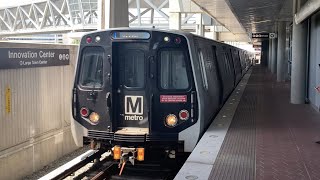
x,y
13,58
30,55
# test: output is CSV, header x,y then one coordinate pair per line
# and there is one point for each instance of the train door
x,y
130,85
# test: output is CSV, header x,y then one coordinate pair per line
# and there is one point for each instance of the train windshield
x,y
173,73
92,67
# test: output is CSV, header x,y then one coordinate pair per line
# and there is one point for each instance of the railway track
x,y
108,169
98,165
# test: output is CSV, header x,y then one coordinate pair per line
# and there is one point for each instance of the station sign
x,y
264,35
14,58
260,35
272,35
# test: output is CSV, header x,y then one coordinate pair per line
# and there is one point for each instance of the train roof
x,y
187,34
142,29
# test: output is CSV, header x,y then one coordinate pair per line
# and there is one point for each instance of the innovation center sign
x,y
14,58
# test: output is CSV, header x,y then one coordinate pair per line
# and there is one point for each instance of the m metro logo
x,y
134,105
133,108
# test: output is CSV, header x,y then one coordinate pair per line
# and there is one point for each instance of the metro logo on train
x,y
133,107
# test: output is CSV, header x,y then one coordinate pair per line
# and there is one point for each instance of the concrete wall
x,y
314,68
37,131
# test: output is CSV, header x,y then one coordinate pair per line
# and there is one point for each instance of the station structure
x,y
268,128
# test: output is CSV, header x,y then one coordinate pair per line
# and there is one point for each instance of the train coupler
x,y
132,153
125,154
123,161
125,157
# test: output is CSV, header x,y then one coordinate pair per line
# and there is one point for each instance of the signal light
x,y
177,40
116,152
89,40
166,39
98,39
94,117
171,120
184,115
140,154
84,112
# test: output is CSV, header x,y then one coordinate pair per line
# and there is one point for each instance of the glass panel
x,y
92,67
134,69
173,70
203,71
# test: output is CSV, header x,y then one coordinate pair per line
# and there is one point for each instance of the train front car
x,y
134,92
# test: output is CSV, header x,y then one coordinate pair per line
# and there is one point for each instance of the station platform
x,y
268,138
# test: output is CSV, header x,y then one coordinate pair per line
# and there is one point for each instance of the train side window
x,y
91,74
173,70
203,70
226,60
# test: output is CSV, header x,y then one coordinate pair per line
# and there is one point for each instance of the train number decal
x,y
133,108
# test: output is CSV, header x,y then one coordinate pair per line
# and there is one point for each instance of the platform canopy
x,y
239,18
243,17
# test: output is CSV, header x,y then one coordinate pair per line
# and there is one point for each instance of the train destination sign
x,y
14,58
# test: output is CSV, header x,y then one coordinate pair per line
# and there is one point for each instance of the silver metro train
x,y
143,91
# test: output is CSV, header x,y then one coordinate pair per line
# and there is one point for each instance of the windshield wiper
x,y
93,93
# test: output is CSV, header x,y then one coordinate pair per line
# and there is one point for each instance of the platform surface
x,y
269,138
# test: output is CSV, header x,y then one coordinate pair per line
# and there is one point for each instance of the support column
x,y
212,34
101,15
200,26
274,56
270,54
113,13
264,53
281,61
299,59
175,21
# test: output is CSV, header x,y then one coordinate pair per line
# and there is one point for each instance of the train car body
x,y
150,88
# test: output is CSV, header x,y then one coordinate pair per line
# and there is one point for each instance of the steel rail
x,y
72,166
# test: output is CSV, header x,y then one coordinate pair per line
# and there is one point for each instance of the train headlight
x,y
171,120
94,117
